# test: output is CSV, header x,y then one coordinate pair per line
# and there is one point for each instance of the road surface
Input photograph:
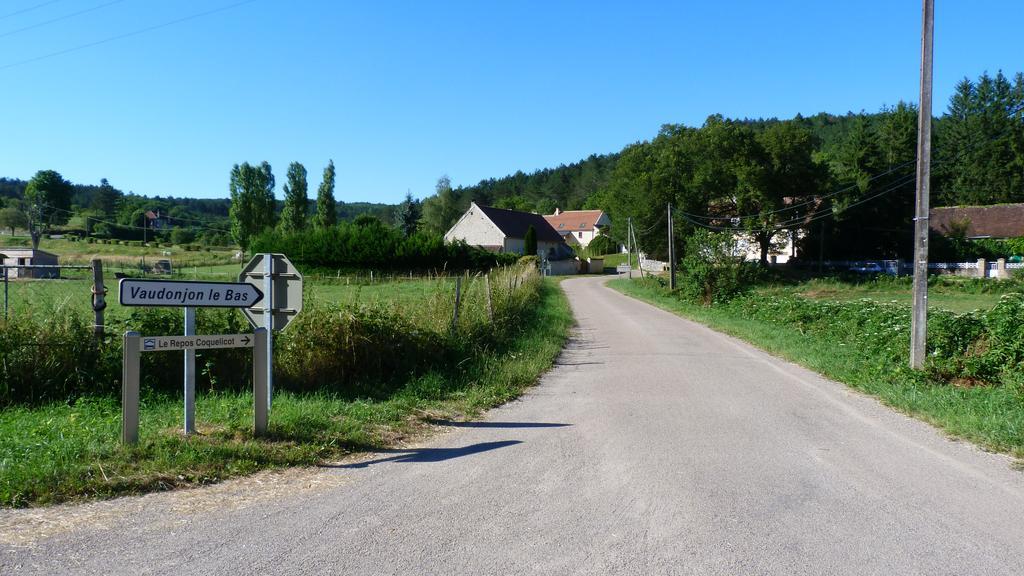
x,y
655,446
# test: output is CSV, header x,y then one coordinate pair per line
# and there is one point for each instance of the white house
x,y
582,225
501,230
29,257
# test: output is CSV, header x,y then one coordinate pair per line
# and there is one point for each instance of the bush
x,y
353,351
601,245
372,245
710,273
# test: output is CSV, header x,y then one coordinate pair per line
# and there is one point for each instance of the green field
x,y
947,293
123,255
70,450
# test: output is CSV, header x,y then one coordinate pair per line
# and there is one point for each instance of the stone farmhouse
x,y
499,230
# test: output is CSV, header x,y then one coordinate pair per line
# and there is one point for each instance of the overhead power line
x,y
59,18
807,202
907,179
131,226
29,9
126,35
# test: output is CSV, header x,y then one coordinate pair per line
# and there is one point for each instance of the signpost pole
x,y
190,373
5,292
130,389
268,315
259,382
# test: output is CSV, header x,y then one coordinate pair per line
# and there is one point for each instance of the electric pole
x,y
919,322
629,246
671,252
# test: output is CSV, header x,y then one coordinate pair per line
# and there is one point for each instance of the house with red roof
x,y
581,225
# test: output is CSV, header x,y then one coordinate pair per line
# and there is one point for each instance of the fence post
x,y
130,389
5,292
458,300
490,305
99,302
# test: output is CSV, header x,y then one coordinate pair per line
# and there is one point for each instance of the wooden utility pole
x,y
636,246
671,252
99,302
629,246
919,321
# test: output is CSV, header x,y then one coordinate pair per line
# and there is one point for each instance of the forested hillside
x,y
844,182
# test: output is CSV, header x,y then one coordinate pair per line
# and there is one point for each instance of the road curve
x,y
655,446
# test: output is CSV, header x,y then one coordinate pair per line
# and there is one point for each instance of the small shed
x,y
29,257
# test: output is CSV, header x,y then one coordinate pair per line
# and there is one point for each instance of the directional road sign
x,y
285,290
171,343
184,294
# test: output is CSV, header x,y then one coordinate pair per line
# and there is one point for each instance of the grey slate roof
x,y
514,224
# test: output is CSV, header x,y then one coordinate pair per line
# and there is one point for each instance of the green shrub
x,y
600,245
372,245
710,272
354,351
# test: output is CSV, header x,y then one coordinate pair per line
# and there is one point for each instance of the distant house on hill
x,y
156,221
582,225
499,230
29,257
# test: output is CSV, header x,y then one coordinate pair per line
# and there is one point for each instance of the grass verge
x,y
991,416
58,452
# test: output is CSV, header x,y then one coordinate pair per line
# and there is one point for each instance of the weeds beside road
x,y
70,450
974,383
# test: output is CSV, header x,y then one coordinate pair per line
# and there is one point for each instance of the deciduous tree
x,y
326,214
12,218
252,201
296,202
48,199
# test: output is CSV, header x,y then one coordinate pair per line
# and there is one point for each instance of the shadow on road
x,y
428,454
496,424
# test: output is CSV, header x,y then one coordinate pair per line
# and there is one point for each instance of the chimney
x,y
557,211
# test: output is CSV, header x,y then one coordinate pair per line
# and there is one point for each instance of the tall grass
x,y
355,349
70,450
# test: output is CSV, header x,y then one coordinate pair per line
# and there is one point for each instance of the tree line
x,y
842,185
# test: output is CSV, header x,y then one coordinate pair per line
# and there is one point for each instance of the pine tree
x,y
326,216
530,242
407,215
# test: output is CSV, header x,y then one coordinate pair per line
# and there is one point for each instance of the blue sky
x,y
399,93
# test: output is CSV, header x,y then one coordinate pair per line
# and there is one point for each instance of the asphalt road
x,y
655,446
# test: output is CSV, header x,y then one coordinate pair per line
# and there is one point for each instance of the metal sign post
x,y
281,285
130,389
268,321
188,295
135,345
190,373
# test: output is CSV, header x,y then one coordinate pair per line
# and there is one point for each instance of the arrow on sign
x,y
246,340
183,293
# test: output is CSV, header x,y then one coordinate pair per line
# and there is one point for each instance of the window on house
x,y
562,225
581,234
583,224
